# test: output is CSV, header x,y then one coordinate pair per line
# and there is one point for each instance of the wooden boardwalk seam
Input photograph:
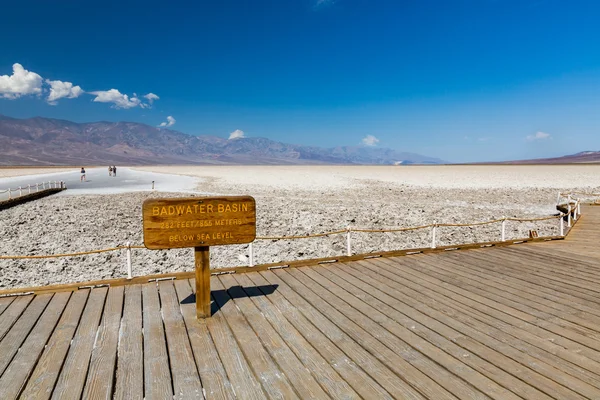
x,y
510,322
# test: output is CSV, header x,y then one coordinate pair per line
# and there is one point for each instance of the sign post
x,y
199,222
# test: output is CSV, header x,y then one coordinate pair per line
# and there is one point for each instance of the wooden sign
x,y
198,221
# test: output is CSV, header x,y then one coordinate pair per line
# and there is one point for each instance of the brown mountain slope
x,y
40,141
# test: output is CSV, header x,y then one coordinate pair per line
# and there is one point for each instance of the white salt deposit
x,y
290,201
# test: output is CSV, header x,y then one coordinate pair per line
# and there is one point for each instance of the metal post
x,y
433,229
20,191
250,253
504,229
561,222
129,260
37,187
569,216
9,194
43,185
152,185
348,242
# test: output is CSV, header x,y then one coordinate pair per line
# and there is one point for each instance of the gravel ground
x,y
65,224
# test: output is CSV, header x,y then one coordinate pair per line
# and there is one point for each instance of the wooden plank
x,y
410,364
12,313
518,300
538,374
521,281
585,262
540,282
402,327
559,269
130,359
13,339
72,377
235,364
186,380
4,303
433,330
100,378
466,304
516,309
354,350
43,379
520,293
351,373
215,382
15,376
313,362
541,348
301,379
273,380
157,373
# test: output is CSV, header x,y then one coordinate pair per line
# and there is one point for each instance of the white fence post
x,y
579,208
9,194
29,188
20,191
128,260
561,222
558,198
569,216
348,242
503,229
251,254
433,229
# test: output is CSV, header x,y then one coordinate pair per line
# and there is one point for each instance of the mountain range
x,y
583,157
46,141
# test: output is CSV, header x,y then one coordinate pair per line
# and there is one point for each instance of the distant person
x,y
110,171
82,179
114,170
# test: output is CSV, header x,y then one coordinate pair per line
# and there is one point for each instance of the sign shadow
x,y
221,297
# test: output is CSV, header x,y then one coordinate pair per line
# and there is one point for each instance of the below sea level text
x,y
200,236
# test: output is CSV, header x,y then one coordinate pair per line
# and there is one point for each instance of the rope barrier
x,y
81,253
300,237
412,228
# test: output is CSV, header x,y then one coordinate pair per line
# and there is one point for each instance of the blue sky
x,y
462,80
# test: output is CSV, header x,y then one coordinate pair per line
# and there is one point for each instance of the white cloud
x,y
323,3
538,136
237,134
170,122
118,99
60,89
370,140
151,97
20,83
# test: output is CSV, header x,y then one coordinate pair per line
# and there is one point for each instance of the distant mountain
x,y
584,157
44,141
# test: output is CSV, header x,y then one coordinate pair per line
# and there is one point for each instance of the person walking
x,y
114,170
82,179
110,170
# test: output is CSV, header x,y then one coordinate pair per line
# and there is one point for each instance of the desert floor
x,y
291,200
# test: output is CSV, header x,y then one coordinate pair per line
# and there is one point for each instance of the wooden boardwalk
x,y
517,322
